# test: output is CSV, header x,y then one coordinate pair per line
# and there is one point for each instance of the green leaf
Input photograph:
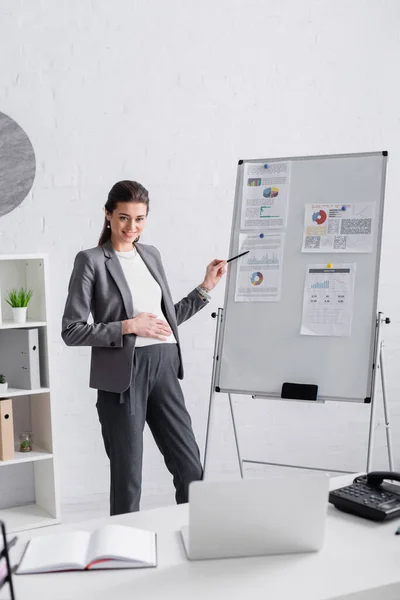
x,y
19,298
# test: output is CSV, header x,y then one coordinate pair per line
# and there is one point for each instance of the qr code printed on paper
x,y
313,241
339,242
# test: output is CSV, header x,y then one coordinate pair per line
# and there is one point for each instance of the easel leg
x,y
210,406
373,392
212,386
379,364
236,437
211,401
386,409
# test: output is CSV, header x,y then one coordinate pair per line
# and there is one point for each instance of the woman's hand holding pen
x,y
214,272
147,325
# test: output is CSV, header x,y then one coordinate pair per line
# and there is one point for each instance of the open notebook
x,y
109,547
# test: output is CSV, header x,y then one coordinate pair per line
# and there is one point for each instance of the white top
x,y
146,293
357,555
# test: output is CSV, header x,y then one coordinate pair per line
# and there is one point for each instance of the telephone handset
x,y
370,496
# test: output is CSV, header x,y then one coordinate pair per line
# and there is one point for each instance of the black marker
x,y
238,256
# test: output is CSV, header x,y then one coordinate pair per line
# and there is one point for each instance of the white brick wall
x,y
173,94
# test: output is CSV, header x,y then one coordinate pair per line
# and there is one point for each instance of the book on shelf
x,y
108,547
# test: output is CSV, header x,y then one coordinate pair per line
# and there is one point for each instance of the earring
x,y
137,239
108,226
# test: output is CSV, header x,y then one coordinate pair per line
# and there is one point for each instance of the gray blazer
x,y
98,286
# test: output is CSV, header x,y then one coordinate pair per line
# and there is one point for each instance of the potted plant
x,y
19,300
3,384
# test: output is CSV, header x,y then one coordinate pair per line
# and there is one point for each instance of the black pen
x,y
238,256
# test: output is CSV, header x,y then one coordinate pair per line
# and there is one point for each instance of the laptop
x,y
253,517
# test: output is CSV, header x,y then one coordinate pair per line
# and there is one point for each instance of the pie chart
x,y
256,278
270,192
319,217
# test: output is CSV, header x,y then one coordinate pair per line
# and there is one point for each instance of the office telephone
x,y
370,497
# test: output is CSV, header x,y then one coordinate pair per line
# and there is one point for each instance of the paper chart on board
x,y
259,273
338,227
328,300
265,195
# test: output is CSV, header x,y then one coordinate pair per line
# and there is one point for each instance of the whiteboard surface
x,y
260,344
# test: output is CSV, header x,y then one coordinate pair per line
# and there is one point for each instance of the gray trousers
x,y
155,397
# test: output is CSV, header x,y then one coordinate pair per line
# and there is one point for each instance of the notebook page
x,y
61,551
121,542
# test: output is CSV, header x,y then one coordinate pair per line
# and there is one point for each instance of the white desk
x,y
358,555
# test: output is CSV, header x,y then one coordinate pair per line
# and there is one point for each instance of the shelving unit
x,y
37,453
28,487
13,392
10,324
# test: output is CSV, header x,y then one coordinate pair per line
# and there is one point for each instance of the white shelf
x,y
10,324
17,257
12,392
35,480
24,457
24,517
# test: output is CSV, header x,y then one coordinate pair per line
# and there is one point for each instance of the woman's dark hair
x,y
123,191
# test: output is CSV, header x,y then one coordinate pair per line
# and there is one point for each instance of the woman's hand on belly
x,y
147,325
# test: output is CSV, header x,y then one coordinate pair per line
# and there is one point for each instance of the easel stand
x,y
378,363
219,318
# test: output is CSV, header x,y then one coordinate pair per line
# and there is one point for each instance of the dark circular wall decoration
x,y
17,164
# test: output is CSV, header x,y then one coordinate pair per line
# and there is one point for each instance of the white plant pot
x,y
19,314
3,387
